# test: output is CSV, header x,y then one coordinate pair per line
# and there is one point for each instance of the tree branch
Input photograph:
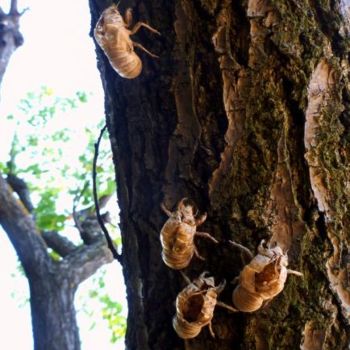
x,y
86,220
20,187
61,245
10,37
110,244
75,216
13,8
85,261
21,230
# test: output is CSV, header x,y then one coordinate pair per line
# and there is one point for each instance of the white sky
x,y
58,53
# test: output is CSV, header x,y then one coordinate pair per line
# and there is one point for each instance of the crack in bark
x,y
321,99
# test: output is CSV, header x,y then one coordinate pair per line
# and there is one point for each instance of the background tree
x,y
246,112
53,264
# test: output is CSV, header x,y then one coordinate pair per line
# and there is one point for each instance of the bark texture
x,y
246,112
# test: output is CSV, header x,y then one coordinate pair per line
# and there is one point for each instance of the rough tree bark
x,y
247,113
52,283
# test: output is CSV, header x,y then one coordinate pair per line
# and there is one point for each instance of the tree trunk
x,y
53,317
247,113
52,284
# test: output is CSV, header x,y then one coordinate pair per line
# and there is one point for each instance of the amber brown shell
x,y
195,307
113,37
177,243
261,280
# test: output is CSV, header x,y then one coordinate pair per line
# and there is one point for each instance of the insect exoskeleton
x,y
113,36
195,306
178,232
262,279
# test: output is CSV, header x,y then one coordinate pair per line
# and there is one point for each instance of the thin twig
x,y
110,244
75,203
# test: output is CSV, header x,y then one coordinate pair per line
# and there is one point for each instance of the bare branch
x,y
61,245
21,230
21,188
85,261
75,216
110,244
13,8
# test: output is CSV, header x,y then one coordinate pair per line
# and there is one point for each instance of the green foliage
x,y
55,161
112,314
54,255
111,310
46,217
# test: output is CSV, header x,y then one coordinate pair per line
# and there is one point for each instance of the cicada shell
x,y
195,306
262,279
113,36
177,235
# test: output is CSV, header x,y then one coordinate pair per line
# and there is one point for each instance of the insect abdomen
x,y
195,306
177,244
126,64
246,301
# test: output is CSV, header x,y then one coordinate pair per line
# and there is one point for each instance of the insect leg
x,y
201,219
142,48
266,303
220,287
203,274
197,254
206,235
211,330
128,17
166,211
228,307
138,25
235,280
185,277
293,272
243,248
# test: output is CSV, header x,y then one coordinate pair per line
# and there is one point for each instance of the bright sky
x,y
58,53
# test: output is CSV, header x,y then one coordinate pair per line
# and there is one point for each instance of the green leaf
x,y
82,96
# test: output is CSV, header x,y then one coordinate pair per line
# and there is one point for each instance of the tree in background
x,y
11,38
246,112
32,219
